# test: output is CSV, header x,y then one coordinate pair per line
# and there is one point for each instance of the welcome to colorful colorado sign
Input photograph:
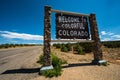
x,y
71,27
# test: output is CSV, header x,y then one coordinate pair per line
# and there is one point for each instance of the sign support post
x,y
47,39
97,51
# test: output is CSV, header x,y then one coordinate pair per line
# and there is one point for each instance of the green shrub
x,y
64,48
69,46
57,45
87,47
49,73
78,49
56,62
41,59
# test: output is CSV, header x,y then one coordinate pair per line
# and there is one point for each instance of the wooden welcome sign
x,y
70,25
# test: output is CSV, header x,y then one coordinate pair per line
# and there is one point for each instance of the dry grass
x,y
112,55
78,67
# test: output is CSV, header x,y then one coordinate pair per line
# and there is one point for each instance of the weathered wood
x,y
71,26
95,36
47,36
70,13
72,40
93,29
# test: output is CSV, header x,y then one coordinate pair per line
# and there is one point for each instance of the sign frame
x,y
97,51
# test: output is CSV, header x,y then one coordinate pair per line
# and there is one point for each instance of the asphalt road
x,y
19,63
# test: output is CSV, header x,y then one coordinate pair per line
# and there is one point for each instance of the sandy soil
x,y
79,67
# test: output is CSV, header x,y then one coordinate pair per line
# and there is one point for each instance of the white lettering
x,y
59,32
72,33
64,32
69,19
59,19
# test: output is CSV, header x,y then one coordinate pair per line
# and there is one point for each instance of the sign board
x,y
71,27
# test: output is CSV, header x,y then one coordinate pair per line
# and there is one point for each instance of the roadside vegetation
x,y
77,48
3,46
112,44
83,48
57,64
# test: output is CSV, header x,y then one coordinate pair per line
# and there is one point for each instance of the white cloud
x,y
23,36
106,39
116,36
103,33
106,33
109,36
32,43
109,33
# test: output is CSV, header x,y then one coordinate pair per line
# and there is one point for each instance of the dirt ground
x,y
20,64
79,67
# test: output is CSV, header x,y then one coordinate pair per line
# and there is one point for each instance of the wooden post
x,y
97,51
47,36
47,39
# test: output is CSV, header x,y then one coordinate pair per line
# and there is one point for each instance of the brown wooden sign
x,y
71,27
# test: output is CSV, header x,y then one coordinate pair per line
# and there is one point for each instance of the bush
x,y
56,62
87,47
84,47
78,49
48,73
69,46
64,48
41,59
57,45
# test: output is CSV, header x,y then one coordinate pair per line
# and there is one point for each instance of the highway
x,y
13,60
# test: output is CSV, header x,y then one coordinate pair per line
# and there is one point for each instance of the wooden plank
x,y
72,13
72,40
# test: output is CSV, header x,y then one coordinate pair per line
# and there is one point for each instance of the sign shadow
x,y
78,65
24,70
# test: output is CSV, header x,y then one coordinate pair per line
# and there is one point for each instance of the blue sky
x,y
22,21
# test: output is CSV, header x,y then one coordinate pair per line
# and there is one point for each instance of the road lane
x,y
18,58
13,51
